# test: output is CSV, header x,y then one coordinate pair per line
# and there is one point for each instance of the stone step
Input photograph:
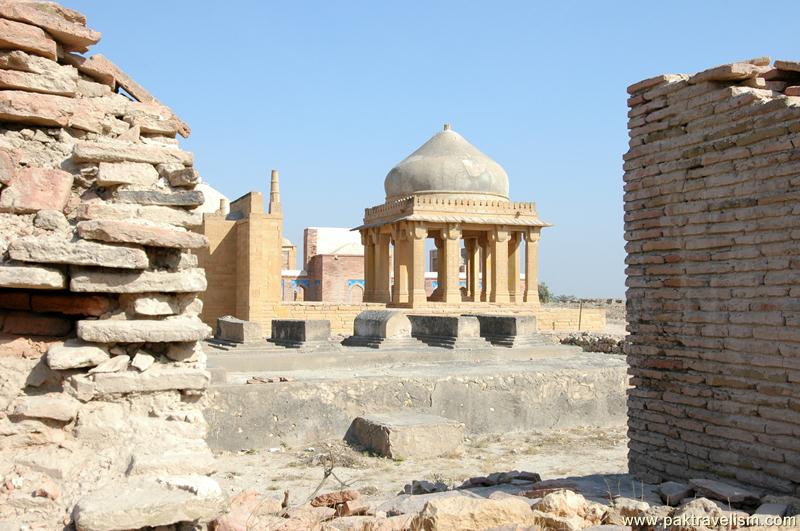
x,y
451,342
383,343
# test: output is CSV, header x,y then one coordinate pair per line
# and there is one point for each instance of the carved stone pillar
x,y
473,266
514,263
418,234
452,259
486,267
381,286
498,239
532,267
368,241
401,263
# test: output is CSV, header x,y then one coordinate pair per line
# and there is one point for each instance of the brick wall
x,y
712,219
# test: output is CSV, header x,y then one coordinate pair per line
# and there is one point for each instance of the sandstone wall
x,y
342,316
712,220
102,378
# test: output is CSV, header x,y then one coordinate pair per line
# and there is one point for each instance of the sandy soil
x,y
590,451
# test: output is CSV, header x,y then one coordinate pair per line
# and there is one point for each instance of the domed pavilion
x,y
450,191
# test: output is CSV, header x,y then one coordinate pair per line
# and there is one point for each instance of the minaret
x,y
274,194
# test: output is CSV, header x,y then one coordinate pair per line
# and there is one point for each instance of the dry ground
x,y
575,452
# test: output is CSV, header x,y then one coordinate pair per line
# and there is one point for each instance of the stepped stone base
x,y
383,343
404,434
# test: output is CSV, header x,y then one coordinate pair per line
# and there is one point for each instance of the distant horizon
x,y
335,95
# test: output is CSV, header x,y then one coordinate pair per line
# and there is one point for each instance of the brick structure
x,y
244,257
102,376
712,220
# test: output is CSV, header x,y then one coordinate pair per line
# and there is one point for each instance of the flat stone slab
x,y
186,281
31,277
181,329
230,328
717,490
150,381
55,250
149,502
407,434
140,233
296,333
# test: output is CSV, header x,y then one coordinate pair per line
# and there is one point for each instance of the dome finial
x,y
446,127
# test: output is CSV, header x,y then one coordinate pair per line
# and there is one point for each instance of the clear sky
x,y
335,93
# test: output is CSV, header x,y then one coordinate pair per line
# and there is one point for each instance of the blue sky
x,y
335,93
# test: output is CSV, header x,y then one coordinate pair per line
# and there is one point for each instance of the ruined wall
x,y
102,378
712,220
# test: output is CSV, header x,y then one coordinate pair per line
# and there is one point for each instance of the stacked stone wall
x,y
102,378
712,222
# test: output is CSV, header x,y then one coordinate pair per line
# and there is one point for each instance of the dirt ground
x,y
588,451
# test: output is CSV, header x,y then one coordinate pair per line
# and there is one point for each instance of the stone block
x,y
57,250
406,434
235,330
33,189
137,173
297,333
189,198
18,36
45,84
448,331
716,490
74,354
53,406
155,379
73,34
156,305
180,217
143,502
140,233
110,151
31,277
385,329
180,329
186,281
35,109
510,330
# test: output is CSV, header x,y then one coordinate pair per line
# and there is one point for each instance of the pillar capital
x,y
452,232
499,234
418,231
532,234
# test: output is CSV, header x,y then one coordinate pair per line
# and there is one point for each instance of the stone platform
x,y
490,391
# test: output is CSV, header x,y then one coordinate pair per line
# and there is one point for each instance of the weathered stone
x,y
35,109
382,329
157,378
138,173
55,406
405,434
57,250
672,492
331,499
142,361
716,490
148,502
52,220
115,364
472,514
70,303
8,168
247,510
74,354
187,456
153,213
230,328
630,508
143,331
27,81
72,35
140,233
178,174
298,333
791,66
19,36
34,189
23,323
156,305
729,72
31,277
153,119
448,331
109,151
191,198
186,352
697,510
188,280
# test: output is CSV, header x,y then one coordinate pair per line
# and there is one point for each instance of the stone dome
x,y
447,164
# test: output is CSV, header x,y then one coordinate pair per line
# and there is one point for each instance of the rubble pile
x,y
546,505
102,377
